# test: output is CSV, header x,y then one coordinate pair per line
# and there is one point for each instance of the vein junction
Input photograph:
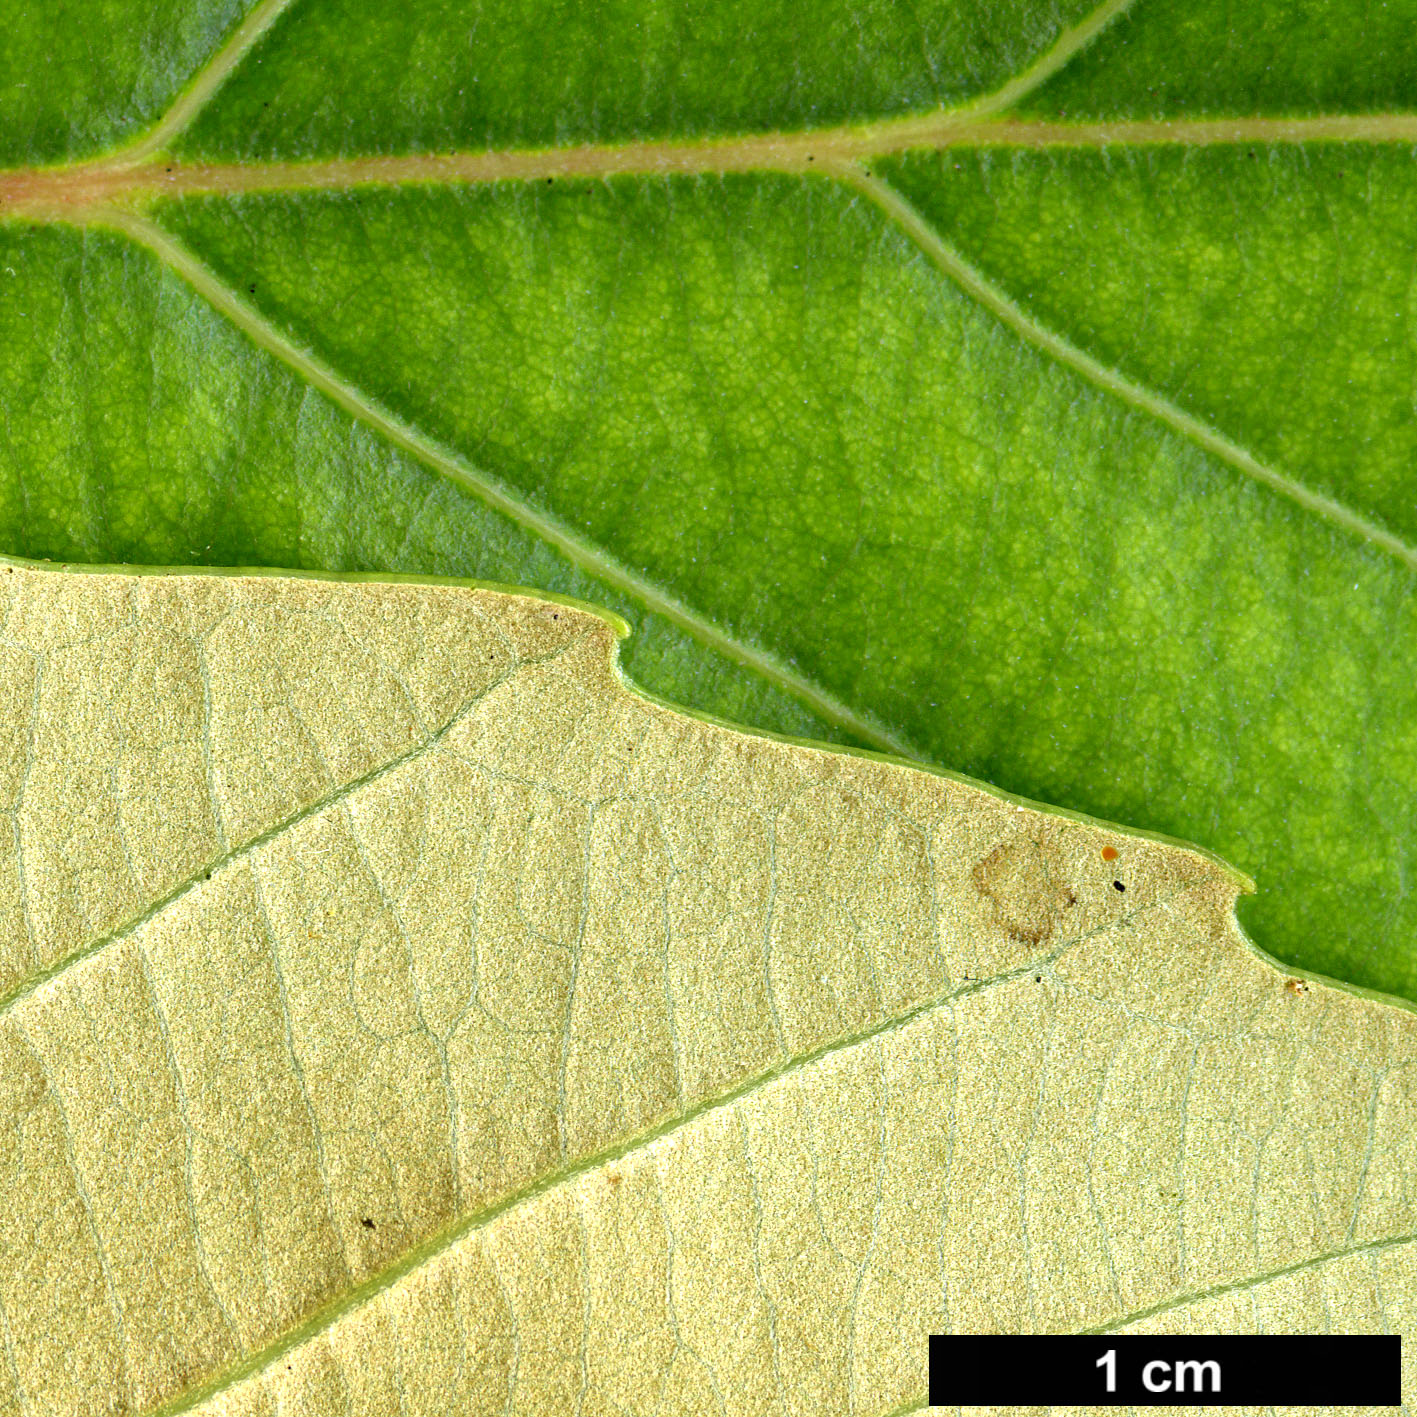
x,y
115,190
139,174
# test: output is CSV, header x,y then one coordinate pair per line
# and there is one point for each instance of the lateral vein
x,y
1060,53
592,559
1252,1281
975,284
324,1319
1233,1286
204,85
39,978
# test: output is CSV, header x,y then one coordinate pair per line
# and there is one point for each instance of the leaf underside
x,y
411,1013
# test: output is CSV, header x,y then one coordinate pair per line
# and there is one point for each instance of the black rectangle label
x,y
1134,1370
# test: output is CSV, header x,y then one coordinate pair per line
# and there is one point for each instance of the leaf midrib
x,y
81,192
141,158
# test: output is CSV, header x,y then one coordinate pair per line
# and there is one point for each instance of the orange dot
x,y
1109,853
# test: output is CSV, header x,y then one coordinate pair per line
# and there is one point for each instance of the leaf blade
x,y
544,77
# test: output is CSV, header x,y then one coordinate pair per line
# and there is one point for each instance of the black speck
x,y
1118,886
367,1223
1037,978
207,877
251,288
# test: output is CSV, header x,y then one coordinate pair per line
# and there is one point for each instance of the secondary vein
x,y
1252,1281
324,1319
592,559
343,792
973,283
204,85
1233,1286
1060,53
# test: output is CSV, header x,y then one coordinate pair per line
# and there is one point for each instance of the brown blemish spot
x,y
1021,880
1109,853
1296,986
613,1177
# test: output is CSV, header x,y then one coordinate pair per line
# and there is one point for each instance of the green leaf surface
x,y
72,81
1084,469
1265,56
433,75
1176,269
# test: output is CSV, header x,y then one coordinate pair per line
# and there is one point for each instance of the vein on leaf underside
x,y
113,192
384,1279
1200,1296
571,1170
325,1319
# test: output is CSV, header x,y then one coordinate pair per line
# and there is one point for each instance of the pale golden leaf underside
x,y
402,1015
